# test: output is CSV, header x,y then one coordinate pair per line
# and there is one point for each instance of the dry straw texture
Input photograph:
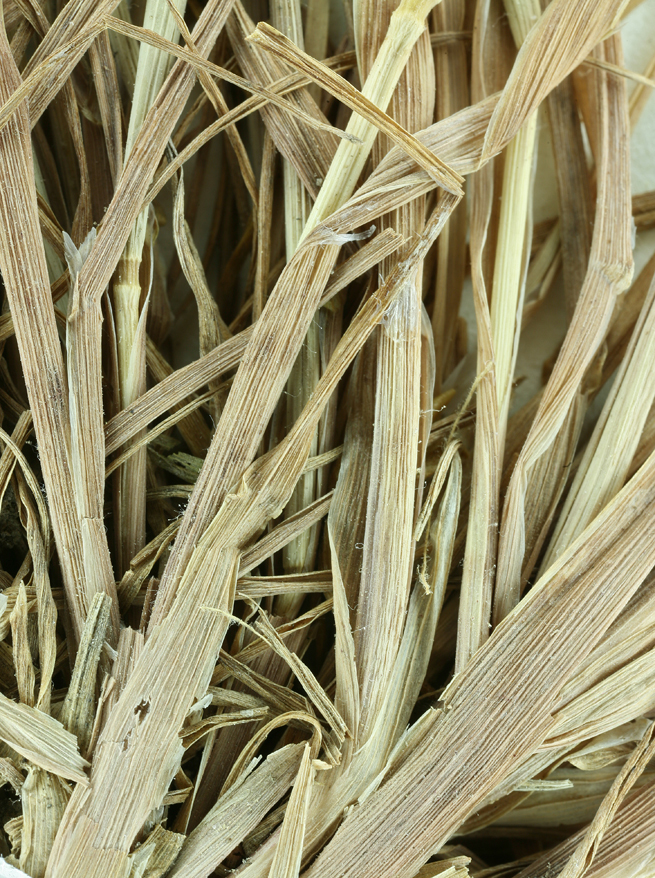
x,y
327,456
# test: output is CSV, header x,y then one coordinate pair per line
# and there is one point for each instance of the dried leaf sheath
x,y
129,313
23,266
219,473
608,275
479,564
615,438
526,678
388,536
300,678
143,728
298,555
498,350
84,354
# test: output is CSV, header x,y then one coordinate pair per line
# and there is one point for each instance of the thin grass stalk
x,y
130,306
405,28
298,556
264,222
498,331
490,64
107,89
47,612
212,329
347,517
26,281
451,95
388,537
481,537
509,275
143,729
609,274
513,236
612,446
306,267
83,364
549,477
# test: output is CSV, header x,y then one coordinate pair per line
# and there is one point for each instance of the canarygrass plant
x,y
292,582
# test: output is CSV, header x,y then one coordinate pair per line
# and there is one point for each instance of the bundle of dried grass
x,y
327,474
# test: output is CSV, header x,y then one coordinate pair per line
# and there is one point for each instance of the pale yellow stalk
x,y
308,269
478,571
507,296
608,275
509,273
389,544
153,66
406,26
610,450
298,555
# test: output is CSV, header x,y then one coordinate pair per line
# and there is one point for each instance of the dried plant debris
x,y
327,438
